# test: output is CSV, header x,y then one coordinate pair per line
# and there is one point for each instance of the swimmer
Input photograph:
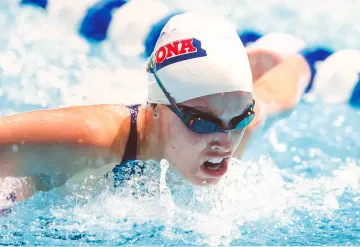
x,y
201,99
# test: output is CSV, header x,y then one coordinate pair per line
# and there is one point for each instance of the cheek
x,y
182,140
236,137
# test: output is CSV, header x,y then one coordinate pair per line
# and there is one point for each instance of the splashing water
x,y
299,183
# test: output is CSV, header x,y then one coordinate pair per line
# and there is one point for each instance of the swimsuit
x,y
129,166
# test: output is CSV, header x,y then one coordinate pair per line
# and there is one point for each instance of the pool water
x,y
299,183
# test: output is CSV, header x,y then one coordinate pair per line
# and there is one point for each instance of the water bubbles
x,y
308,170
338,122
14,148
330,202
297,159
279,147
100,162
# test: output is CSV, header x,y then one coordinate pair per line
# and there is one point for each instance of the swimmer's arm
x,y
276,92
57,144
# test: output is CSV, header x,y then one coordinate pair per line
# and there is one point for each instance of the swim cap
x,y
198,54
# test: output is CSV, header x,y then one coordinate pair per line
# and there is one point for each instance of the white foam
x,y
52,63
69,11
136,18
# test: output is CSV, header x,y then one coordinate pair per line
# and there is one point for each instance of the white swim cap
x,y
198,54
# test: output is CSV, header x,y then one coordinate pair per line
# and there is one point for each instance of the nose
x,y
222,142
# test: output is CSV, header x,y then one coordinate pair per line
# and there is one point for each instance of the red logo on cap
x,y
175,48
178,51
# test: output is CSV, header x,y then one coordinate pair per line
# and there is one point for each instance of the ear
x,y
155,110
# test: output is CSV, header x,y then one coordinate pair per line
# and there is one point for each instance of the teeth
x,y
213,167
215,161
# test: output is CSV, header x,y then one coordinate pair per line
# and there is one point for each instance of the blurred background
x,y
58,53
299,183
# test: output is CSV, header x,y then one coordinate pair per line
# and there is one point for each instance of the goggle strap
x,y
167,94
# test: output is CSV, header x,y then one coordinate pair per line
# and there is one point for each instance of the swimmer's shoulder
x,y
109,124
119,124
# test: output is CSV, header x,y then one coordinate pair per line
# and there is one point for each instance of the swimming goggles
x,y
200,122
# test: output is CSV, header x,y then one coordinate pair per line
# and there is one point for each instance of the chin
x,y
205,182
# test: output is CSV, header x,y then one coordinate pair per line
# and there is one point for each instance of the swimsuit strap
x,y
131,146
129,166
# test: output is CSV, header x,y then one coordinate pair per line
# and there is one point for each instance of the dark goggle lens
x,y
202,125
245,122
242,121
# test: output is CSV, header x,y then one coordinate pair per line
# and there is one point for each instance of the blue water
x,y
299,183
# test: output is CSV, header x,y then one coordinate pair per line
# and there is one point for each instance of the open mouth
x,y
215,167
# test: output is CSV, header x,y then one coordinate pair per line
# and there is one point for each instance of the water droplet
x,y
15,148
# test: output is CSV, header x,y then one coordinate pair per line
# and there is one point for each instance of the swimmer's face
x,y
189,152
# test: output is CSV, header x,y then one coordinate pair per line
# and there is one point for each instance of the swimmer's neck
x,y
150,144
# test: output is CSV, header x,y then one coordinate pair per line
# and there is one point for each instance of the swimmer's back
x,y
54,145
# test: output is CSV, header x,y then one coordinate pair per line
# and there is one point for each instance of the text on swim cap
x,y
177,51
